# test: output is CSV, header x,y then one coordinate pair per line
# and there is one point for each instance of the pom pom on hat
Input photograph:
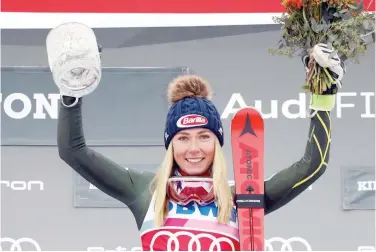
x,y
190,97
188,86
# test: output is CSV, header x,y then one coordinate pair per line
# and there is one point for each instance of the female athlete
x,y
188,204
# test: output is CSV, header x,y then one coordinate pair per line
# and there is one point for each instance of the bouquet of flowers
x,y
343,25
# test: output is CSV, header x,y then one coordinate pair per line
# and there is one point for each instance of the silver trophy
x,y
74,59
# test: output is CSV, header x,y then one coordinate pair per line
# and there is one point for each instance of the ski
x,y
247,143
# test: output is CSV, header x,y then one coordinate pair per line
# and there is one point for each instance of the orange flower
x,y
293,3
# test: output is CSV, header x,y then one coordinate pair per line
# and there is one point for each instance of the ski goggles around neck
x,y
184,190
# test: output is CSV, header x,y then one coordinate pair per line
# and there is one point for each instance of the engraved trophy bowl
x,y
74,59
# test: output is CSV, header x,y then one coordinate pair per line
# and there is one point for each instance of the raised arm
x,y
290,182
125,185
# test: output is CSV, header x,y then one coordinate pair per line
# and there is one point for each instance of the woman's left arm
x,y
290,182
285,185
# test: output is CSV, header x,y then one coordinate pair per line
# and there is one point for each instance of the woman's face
x,y
194,150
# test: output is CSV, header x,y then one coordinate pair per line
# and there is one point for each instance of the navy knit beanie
x,y
191,107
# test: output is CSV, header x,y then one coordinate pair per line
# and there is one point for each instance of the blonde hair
x,y
222,189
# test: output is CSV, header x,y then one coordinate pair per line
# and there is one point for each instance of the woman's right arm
x,y
125,185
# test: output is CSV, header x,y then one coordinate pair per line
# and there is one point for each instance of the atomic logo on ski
x,y
247,127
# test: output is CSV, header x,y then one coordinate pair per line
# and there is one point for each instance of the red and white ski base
x,y
247,142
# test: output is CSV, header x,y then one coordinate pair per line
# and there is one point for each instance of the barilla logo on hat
x,y
191,120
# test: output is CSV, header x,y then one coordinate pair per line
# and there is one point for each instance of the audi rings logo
x,y
272,244
291,244
194,240
18,244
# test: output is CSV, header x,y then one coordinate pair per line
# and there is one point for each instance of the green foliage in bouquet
x,y
344,25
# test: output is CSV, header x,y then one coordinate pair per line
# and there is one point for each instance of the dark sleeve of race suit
x,y
126,185
285,185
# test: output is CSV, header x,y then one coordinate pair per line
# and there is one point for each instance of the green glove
x,y
322,102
